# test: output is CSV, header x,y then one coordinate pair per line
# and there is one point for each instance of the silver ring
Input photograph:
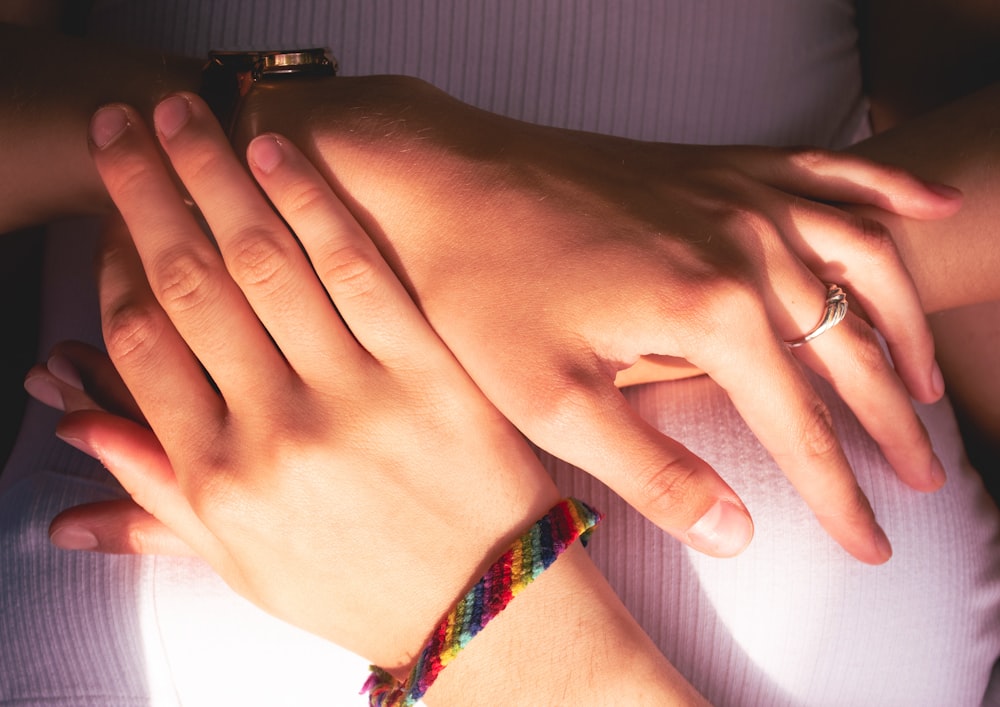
x,y
836,310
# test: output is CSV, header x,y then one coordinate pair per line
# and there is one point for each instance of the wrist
x,y
544,613
229,78
59,82
610,662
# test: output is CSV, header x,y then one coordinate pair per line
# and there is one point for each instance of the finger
x,y
134,456
773,396
374,304
155,363
859,253
840,177
260,254
89,369
852,360
119,527
594,428
42,385
184,270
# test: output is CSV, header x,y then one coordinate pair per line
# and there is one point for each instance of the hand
x,y
326,454
548,260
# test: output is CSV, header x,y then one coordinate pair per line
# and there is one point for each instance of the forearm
x,y
50,87
566,639
954,261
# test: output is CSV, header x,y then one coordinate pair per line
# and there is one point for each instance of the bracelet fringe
x,y
529,556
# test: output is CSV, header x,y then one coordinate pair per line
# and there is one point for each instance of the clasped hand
x,y
326,461
548,260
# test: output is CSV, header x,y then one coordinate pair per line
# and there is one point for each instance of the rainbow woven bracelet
x,y
529,556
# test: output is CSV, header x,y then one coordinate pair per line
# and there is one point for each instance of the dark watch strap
x,y
228,77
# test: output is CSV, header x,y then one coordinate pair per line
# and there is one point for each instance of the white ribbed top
x,y
753,71
794,621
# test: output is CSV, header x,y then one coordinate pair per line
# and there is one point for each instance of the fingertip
x,y
725,530
266,152
171,115
926,389
108,124
43,389
77,443
937,381
882,546
65,370
72,537
938,475
946,191
946,200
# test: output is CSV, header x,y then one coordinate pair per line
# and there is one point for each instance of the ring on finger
x,y
836,310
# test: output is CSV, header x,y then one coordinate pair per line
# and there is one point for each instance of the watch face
x,y
261,65
303,60
229,76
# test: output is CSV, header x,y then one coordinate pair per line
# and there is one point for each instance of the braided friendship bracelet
x,y
529,556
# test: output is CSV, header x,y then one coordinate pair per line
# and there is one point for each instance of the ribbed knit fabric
x,y
794,621
753,71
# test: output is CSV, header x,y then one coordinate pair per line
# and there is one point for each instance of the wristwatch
x,y
228,77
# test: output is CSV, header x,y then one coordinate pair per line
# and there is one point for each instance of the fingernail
x,y
80,444
44,391
63,369
171,115
73,537
107,124
938,473
266,153
949,192
937,380
723,532
883,544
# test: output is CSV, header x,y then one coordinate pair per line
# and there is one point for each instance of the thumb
x,y
659,477
119,527
134,456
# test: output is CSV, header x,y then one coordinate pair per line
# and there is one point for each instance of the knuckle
x,y
126,175
559,406
810,158
349,271
213,492
197,166
867,358
183,280
259,259
877,243
816,438
138,539
132,331
891,173
724,310
728,303
304,197
850,506
746,220
667,486
112,257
